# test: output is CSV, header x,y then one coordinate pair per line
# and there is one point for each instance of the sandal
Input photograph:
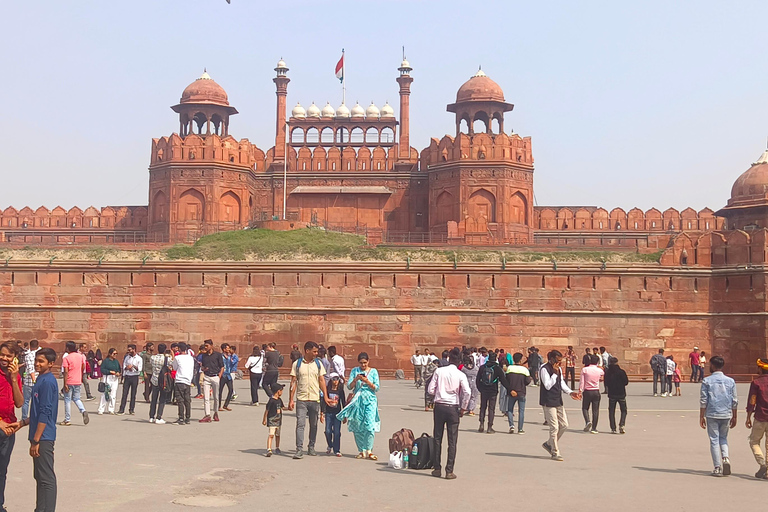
x,y
360,456
372,456
64,423
227,409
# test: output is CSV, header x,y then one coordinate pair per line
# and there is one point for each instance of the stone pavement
x,y
126,464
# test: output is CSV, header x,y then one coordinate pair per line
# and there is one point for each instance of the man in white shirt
x,y
553,386
184,364
450,388
417,369
132,366
337,363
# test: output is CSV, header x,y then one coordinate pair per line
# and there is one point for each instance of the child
x,y
335,388
42,428
676,378
273,417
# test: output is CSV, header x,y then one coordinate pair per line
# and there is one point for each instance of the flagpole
x,y
343,78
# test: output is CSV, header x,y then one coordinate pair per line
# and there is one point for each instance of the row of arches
x,y
345,159
123,217
599,219
342,135
481,204
191,207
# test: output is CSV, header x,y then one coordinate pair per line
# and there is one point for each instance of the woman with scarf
x,y
110,371
362,411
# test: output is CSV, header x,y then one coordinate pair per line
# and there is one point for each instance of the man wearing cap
x,y
757,404
695,361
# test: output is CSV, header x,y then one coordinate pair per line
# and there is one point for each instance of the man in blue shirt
x,y
718,413
42,429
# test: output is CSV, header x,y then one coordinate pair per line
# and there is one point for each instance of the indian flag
x,y
340,68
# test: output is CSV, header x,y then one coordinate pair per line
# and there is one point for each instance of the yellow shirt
x,y
308,380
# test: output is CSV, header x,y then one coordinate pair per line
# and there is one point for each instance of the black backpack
x,y
421,452
280,360
488,375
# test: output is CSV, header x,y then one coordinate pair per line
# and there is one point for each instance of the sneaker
x,y
726,466
521,432
269,453
206,419
215,417
100,413
511,430
160,422
234,397
717,471
86,419
481,430
622,430
151,420
594,432
558,458
178,422
762,472
131,413
90,398
490,431
547,447
198,396
437,473
655,394
588,427
298,455
329,451
613,431
186,422
64,423
119,413
277,451
450,476
338,454
311,451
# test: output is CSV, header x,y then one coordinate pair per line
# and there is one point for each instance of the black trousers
x,y
183,400
86,387
147,387
570,372
230,391
446,417
6,448
487,404
612,411
591,397
157,405
535,374
130,382
45,477
267,380
255,381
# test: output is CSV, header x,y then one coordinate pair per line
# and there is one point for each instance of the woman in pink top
x,y
589,386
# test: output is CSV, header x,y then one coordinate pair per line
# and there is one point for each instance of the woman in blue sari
x,y
362,411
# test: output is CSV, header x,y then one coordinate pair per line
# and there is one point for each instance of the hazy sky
x,y
629,103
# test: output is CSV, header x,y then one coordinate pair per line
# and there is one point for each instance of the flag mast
x,y
343,78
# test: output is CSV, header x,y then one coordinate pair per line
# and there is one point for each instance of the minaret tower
x,y
405,80
281,82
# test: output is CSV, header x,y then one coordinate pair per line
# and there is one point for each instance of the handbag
x,y
102,387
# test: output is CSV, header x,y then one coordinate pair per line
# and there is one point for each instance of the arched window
x,y
387,135
313,136
357,136
326,135
372,136
297,136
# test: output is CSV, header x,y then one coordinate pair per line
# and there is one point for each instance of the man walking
x,y
30,376
616,381
694,359
307,383
489,376
11,397
450,387
570,366
184,364
338,365
518,378
132,368
146,370
551,399
534,364
417,369
212,366
659,366
72,366
718,413
757,404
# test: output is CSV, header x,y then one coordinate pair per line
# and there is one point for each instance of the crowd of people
x,y
323,392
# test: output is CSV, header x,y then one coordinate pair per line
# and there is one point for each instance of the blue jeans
x,y
717,430
27,390
520,401
72,395
333,432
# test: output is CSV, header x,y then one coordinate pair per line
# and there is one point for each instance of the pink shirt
x,y
590,378
74,364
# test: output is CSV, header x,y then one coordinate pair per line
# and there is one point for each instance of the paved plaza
x,y
124,463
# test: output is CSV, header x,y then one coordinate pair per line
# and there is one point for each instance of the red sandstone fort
x,y
353,169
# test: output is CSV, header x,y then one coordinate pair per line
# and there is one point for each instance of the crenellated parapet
x,y
501,147
58,219
591,218
206,149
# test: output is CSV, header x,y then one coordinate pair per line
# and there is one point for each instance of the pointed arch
x,y
191,206
518,209
444,208
229,208
482,203
159,206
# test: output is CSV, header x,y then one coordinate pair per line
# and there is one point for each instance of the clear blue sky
x,y
649,104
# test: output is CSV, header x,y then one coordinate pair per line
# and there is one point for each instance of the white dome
x,y
387,111
281,64
372,111
405,64
298,111
328,111
357,111
342,111
313,110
